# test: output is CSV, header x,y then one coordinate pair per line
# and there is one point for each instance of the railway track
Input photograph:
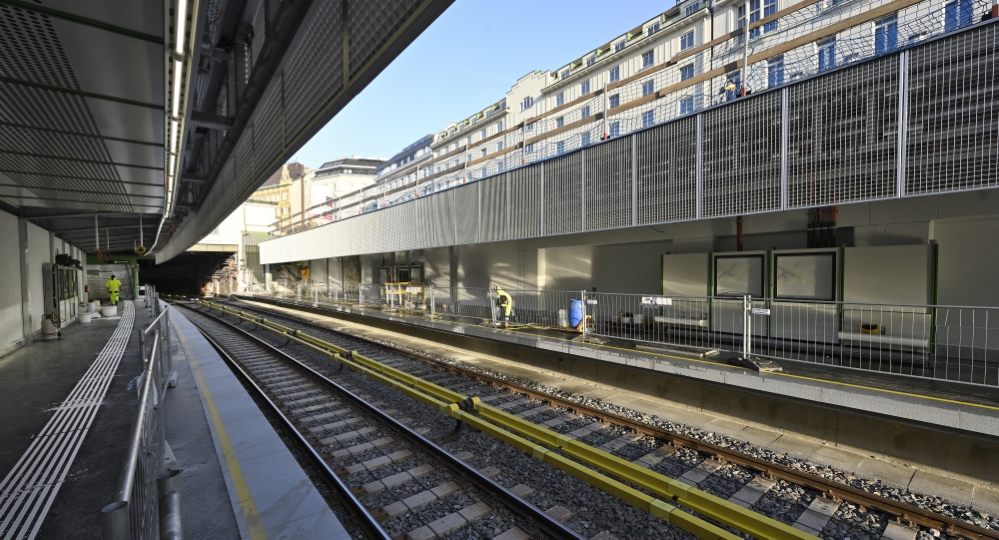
x,y
393,479
717,469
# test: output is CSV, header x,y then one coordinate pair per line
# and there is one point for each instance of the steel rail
x,y
903,511
550,443
525,509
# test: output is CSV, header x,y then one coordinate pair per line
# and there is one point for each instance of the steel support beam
x,y
78,160
47,175
212,121
78,134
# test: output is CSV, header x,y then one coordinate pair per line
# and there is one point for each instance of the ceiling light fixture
x,y
174,136
177,76
181,22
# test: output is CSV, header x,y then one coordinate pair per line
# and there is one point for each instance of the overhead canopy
x,y
174,109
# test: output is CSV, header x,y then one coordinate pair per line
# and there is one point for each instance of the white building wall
x,y
38,254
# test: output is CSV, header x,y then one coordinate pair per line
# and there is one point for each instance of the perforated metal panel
x,y
608,185
667,172
467,213
843,136
373,24
564,178
741,157
493,209
526,196
315,73
443,219
953,135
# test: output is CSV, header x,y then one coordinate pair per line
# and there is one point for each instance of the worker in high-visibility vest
x,y
505,303
113,285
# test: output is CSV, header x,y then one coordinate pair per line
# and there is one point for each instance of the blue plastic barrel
x,y
575,312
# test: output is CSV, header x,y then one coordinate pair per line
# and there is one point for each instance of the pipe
x,y
738,233
168,490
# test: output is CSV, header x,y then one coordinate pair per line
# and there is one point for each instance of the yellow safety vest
x,y
113,285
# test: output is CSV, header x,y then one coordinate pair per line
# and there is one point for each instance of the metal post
x,y
493,307
582,296
142,347
903,121
744,75
315,297
747,324
168,491
115,522
433,302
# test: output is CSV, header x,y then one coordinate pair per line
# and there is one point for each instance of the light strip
x,y
181,22
174,136
177,76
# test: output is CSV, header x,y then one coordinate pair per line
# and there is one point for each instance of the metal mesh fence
x,y
833,138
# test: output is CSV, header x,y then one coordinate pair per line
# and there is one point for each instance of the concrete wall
x,y
10,296
40,250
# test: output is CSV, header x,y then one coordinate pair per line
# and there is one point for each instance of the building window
x,y
500,167
732,86
529,127
499,146
652,29
560,121
614,74
775,71
560,99
687,105
648,118
691,9
484,152
769,8
686,72
527,103
827,54
957,14
585,111
585,139
615,101
687,41
886,35
584,88
619,46
648,87
566,72
529,148
591,60
559,148
615,129
482,135
648,59
499,126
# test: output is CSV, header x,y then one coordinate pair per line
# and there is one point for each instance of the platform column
x,y
22,244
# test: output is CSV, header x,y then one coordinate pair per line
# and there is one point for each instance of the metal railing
x,y
956,343
147,497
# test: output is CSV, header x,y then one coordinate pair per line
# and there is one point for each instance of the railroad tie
x,y
515,403
752,492
620,442
698,474
522,490
464,455
374,464
586,430
560,514
347,436
335,425
322,416
363,447
493,397
654,457
815,517
533,412
451,522
515,533
559,420
422,498
897,531
604,536
395,480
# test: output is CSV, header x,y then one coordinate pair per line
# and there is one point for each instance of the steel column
x,y
785,97
22,251
903,120
699,195
634,180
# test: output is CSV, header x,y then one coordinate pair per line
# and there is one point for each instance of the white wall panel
x,y
10,268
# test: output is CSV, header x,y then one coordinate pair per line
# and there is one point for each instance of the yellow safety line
x,y
716,364
246,502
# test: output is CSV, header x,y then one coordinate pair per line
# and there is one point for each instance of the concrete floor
x,y
36,379
917,478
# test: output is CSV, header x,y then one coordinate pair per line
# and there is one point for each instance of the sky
x,y
466,60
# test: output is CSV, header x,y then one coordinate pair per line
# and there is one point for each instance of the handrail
x,y
147,498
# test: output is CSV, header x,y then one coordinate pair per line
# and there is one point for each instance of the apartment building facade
x,y
336,180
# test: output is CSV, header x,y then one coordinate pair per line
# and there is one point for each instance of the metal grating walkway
x,y
32,484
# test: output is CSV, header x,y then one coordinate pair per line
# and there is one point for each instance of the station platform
x,y
68,410
929,436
